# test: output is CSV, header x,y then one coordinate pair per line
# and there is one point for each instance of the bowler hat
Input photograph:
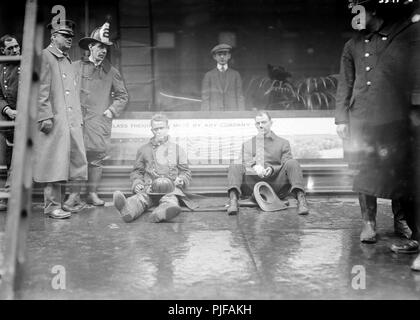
x,y
221,47
100,35
63,27
266,197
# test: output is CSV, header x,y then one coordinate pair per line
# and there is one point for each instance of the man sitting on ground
x,y
266,157
159,163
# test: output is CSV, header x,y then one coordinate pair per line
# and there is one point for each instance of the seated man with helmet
x,y
159,176
268,169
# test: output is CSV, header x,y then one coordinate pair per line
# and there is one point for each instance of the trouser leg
x,y
52,196
95,163
8,159
133,207
289,178
368,206
167,209
402,209
236,174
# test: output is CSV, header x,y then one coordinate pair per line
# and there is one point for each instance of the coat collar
x,y
58,53
105,65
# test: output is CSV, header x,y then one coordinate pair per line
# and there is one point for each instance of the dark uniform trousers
x,y
290,177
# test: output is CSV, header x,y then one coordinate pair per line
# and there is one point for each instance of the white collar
x,y
219,67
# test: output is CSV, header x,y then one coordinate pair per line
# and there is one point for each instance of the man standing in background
x,y
222,86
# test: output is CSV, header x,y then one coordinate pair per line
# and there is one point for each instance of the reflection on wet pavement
x,y
209,255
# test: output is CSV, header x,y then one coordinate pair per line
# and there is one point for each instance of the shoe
x,y
119,200
165,212
303,208
3,206
94,199
368,207
233,208
409,247
416,264
59,214
368,234
73,203
127,211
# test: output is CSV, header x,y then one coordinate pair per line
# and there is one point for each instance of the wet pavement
x,y
209,255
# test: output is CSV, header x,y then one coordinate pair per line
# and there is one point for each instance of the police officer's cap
x,y
63,27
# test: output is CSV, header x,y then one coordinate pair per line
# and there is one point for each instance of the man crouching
x,y
160,169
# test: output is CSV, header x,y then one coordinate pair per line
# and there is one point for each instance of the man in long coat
x,y
222,86
9,82
59,149
374,98
103,96
159,158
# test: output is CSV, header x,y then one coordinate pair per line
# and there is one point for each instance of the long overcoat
x,y
101,88
59,155
379,83
222,92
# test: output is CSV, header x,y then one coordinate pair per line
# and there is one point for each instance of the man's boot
x,y
130,209
94,177
303,207
401,227
74,204
368,207
416,264
165,212
233,207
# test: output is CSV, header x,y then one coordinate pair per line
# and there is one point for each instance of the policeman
x,y
373,111
9,81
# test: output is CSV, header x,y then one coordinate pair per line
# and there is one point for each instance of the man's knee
x,y
292,163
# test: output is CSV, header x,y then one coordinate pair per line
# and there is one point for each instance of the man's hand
x,y
179,182
138,188
46,126
108,114
343,131
11,113
259,170
268,172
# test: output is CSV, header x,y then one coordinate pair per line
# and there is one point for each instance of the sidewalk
x,y
209,255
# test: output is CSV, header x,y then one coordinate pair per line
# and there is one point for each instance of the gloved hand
x,y
260,171
138,188
46,126
179,182
268,172
108,114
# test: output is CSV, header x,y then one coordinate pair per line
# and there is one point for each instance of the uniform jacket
x,y
101,88
165,159
9,82
268,151
379,82
222,91
59,155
